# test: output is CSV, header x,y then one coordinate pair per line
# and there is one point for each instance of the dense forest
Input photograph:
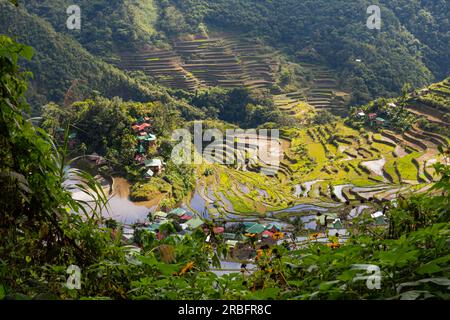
x,y
60,60
335,34
412,45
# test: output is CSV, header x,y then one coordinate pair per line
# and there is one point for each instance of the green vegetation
x,y
104,127
239,106
326,32
106,24
60,62
306,33
390,154
412,253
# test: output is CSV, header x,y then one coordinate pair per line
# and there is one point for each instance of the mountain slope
x,y
368,63
333,32
429,22
59,60
104,24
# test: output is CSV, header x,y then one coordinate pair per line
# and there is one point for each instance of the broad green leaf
x,y
27,52
411,295
429,268
2,292
265,294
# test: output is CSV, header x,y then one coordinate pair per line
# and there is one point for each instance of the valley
x,y
224,150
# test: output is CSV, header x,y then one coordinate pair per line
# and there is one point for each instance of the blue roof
x,y
249,224
178,211
274,225
154,226
256,228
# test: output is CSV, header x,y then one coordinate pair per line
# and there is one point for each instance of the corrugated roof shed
x,y
257,228
195,223
178,211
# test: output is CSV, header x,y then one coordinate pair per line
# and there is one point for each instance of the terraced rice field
x,y
163,65
323,91
326,166
294,104
217,61
433,103
319,93
233,62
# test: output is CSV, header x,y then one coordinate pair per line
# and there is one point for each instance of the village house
x,y
141,127
379,218
159,216
155,165
150,139
361,114
392,105
380,121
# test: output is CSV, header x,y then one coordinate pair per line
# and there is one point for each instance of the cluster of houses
x,y
232,233
146,140
256,232
185,219
243,238
373,119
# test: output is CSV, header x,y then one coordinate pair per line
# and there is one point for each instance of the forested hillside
x,y
61,60
412,45
335,33
105,24
428,21
41,235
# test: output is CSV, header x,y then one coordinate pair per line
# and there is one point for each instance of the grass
x,y
407,169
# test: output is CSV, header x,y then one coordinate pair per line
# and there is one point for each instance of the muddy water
x,y
122,209
119,207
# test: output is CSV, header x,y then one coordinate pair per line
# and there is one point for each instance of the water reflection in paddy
x,y
337,190
120,207
244,188
301,208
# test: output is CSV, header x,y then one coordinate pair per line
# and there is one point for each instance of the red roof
x,y
185,217
141,127
267,233
372,115
218,230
